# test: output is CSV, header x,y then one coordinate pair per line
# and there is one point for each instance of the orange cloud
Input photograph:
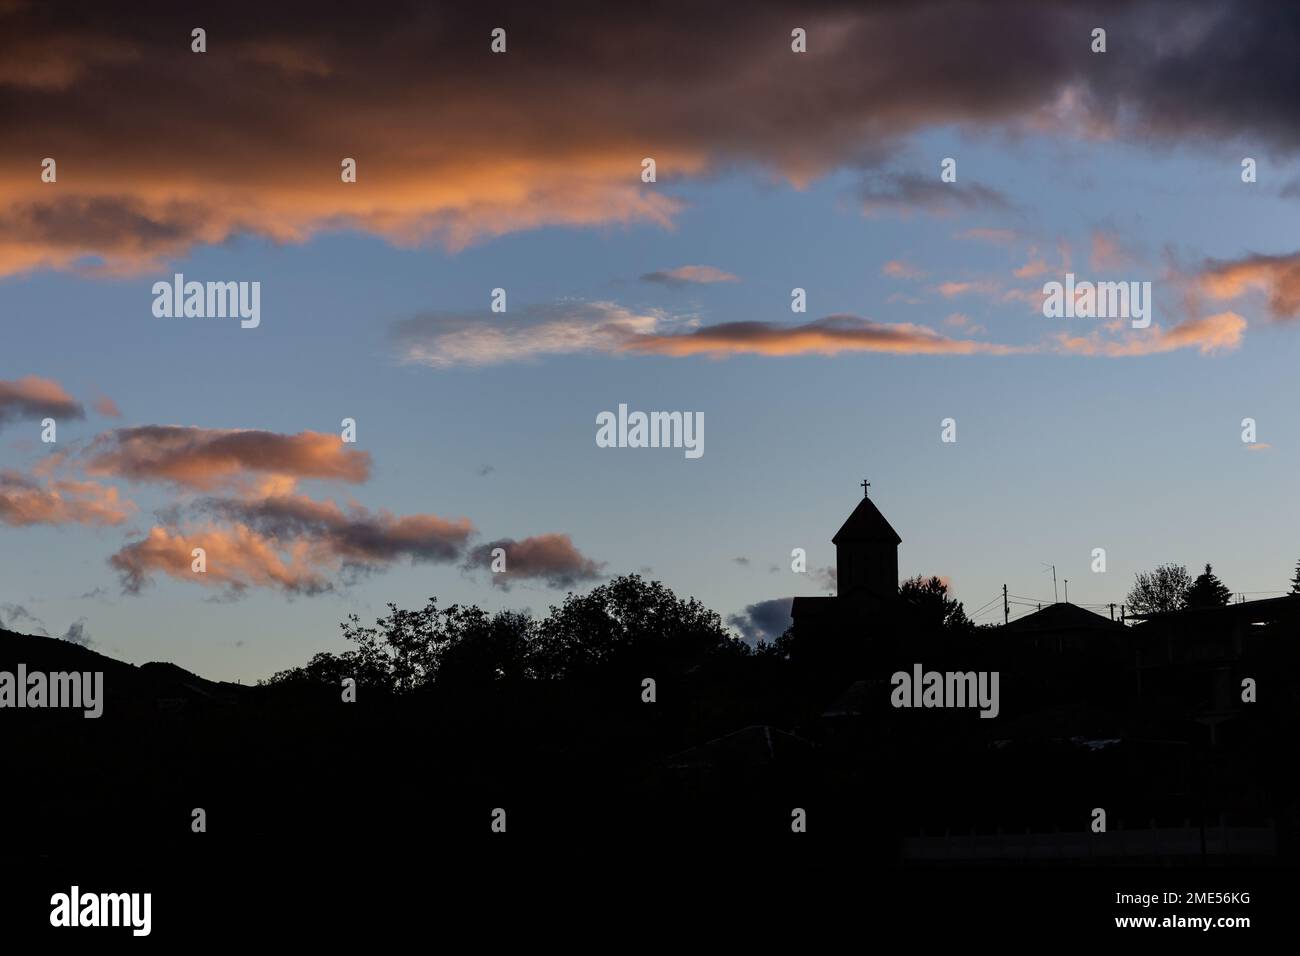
x,y
237,558
107,407
288,542
204,459
24,501
1277,276
1215,333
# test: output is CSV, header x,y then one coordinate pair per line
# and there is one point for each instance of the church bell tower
x,y
866,554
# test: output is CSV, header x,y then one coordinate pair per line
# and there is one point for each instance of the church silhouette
x,y
866,573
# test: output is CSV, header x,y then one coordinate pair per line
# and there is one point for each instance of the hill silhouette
x,y
123,681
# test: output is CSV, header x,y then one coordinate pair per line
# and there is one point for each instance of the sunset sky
x,y
522,170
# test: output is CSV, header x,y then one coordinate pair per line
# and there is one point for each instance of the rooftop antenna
x,y
1055,596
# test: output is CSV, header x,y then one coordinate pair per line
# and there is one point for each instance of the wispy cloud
x,y
997,237
107,407
1222,332
607,329
904,194
1108,254
898,269
953,289
444,340
690,275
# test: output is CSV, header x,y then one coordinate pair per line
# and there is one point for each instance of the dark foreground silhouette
x,y
775,785
459,713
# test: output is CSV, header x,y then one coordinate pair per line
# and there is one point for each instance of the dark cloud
x,y
15,616
766,620
357,536
906,193
36,398
551,558
77,633
828,336
69,228
455,144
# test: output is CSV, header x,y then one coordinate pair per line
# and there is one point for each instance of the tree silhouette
x,y
1208,591
926,602
409,650
1295,580
629,622
1164,589
488,649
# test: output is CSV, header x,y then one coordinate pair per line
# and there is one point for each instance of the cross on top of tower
x,y
865,485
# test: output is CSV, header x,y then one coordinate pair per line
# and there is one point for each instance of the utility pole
x,y
1067,590
1006,608
1112,610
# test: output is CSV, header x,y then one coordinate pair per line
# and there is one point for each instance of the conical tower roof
x,y
866,524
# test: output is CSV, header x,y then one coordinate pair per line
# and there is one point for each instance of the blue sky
x,y
1056,454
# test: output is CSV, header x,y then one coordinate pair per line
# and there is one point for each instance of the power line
x,y
986,606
